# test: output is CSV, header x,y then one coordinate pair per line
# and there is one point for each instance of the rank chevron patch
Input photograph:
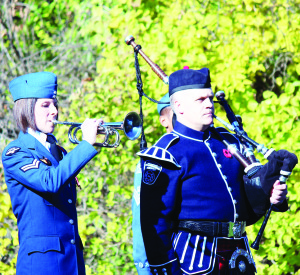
x,y
34,165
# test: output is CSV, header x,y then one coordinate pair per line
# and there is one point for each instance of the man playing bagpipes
x,y
194,205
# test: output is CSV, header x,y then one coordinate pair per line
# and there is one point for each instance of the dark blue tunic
x,y
188,175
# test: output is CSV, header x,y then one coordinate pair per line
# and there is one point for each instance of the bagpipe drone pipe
x,y
258,179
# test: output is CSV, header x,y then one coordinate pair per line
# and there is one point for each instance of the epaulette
x,y
159,150
166,140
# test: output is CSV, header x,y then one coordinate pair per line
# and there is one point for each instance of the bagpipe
x,y
258,178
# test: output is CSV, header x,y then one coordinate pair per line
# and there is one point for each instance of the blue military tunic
x,y
43,196
188,175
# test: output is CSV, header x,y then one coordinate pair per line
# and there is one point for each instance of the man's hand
x,y
278,193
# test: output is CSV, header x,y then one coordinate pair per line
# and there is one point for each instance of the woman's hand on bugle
x,y
89,129
278,193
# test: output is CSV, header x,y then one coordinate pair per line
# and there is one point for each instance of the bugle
x,y
131,126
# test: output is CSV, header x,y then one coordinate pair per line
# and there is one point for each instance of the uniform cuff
x,y
281,207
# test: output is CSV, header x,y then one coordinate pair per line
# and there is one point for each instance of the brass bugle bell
x,y
131,126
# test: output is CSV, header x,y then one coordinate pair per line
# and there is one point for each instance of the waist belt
x,y
215,229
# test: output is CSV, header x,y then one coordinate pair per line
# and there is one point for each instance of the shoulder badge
x,y
151,172
12,150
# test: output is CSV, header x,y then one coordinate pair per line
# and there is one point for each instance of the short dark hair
x,y
24,113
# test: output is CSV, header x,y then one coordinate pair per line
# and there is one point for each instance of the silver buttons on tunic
x,y
225,177
236,216
71,221
230,189
72,241
69,201
220,166
234,201
214,154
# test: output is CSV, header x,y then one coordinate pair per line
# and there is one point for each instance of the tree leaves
x,y
252,50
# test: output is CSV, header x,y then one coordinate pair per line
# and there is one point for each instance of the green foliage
x,y
252,50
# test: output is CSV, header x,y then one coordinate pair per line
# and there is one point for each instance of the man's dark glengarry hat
x,y
189,79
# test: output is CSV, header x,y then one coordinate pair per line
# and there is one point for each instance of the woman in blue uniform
x,y
41,180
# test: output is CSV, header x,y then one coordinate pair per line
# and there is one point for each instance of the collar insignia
x,y
46,161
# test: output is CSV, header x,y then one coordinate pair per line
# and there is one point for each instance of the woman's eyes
x,y
47,105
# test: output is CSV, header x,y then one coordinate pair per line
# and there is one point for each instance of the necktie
x,y
54,148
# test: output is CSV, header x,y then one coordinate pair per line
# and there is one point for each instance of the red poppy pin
x,y
227,153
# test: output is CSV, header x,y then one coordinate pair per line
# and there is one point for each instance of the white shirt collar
x,y
41,137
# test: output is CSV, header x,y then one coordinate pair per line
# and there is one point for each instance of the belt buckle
x,y
236,229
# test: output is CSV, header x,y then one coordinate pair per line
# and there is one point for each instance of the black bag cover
x,y
259,185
